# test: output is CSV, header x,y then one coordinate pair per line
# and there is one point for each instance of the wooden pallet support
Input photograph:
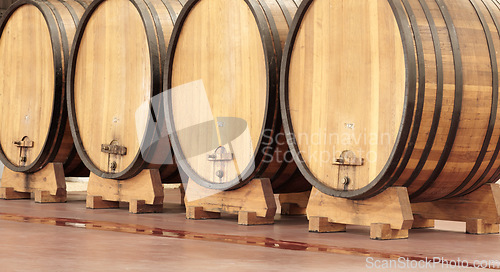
x,y
380,231
96,202
254,203
198,213
388,214
144,192
140,206
422,223
46,197
479,209
47,185
295,203
8,193
479,226
322,225
183,194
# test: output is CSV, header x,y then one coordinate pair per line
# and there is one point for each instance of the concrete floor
x,y
69,237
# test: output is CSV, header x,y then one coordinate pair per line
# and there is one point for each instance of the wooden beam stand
x,y
295,203
144,192
479,209
254,203
183,195
388,214
47,185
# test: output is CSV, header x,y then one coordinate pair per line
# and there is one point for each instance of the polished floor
x,y
69,237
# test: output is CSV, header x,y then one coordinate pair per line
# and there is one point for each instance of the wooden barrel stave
x,y
153,24
55,145
187,49
491,13
68,14
284,174
451,146
471,132
444,93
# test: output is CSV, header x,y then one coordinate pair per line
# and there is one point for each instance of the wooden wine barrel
x,y
114,73
380,93
223,109
35,40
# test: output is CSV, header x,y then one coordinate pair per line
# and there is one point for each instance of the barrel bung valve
x,y
347,163
115,152
220,159
24,144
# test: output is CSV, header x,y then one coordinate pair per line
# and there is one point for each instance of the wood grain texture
x,y
254,203
32,90
8,193
139,191
294,203
48,185
483,203
410,86
390,207
355,89
30,119
112,81
223,80
388,214
323,225
478,226
420,222
380,231
235,84
116,71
